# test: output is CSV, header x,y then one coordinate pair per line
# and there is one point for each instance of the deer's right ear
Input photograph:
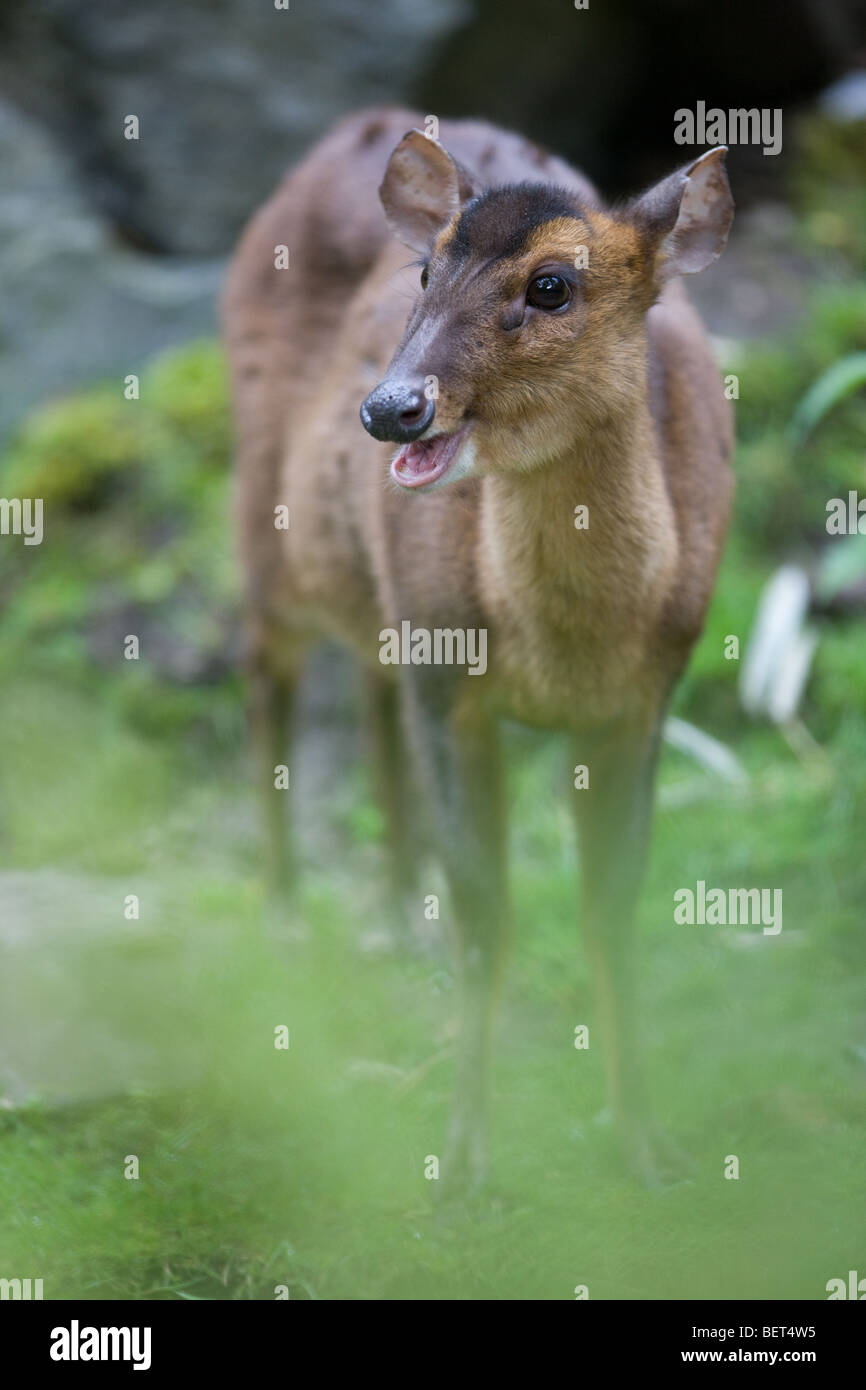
x,y
422,189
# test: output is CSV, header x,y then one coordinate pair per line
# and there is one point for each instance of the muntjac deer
x,y
550,362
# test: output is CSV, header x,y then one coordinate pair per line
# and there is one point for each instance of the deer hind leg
x,y
271,698
461,777
614,816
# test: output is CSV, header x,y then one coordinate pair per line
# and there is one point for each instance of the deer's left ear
x,y
422,189
684,220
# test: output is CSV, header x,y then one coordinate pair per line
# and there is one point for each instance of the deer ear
x,y
685,219
422,189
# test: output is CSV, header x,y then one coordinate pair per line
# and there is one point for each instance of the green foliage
x,y
840,675
187,389
137,537
834,385
71,452
829,182
785,476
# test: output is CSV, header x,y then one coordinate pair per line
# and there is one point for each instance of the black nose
x,y
397,411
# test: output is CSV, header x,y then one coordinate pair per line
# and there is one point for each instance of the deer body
x,y
608,400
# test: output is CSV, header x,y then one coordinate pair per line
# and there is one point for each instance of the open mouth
x,y
425,461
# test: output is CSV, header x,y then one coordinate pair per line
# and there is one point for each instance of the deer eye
x,y
548,292
425,277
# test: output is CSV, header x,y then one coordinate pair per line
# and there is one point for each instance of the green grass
x,y
304,1167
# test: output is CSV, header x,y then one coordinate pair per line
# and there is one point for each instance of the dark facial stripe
x,y
497,223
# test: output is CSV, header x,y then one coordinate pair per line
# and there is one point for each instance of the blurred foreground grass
x,y
304,1167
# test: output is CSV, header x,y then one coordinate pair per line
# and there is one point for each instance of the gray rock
x,y
75,304
227,96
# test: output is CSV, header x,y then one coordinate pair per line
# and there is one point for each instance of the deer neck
x,y
585,540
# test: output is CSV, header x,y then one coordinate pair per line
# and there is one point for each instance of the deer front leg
x,y
390,767
460,770
614,814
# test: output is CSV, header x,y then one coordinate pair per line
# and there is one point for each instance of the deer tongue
x,y
424,460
